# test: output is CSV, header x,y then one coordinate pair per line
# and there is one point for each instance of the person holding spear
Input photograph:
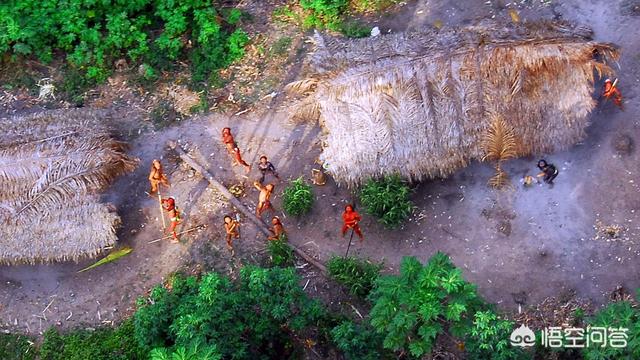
x,y
169,204
157,178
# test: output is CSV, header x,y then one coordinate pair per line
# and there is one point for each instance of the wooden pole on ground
x,y
164,224
237,204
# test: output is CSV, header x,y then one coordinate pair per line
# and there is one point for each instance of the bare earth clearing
x,y
540,241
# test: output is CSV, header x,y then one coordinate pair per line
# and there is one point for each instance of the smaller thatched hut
x,y
52,165
420,104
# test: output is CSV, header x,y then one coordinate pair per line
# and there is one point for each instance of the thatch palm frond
x,y
50,170
430,96
500,142
302,87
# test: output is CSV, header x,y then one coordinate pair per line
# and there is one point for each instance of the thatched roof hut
x,y
52,165
420,103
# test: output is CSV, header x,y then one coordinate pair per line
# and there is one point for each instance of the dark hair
x,y
226,128
264,157
227,216
349,205
543,162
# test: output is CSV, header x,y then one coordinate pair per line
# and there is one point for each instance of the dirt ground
x,y
540,241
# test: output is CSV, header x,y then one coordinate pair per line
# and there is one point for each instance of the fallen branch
x,y
237,204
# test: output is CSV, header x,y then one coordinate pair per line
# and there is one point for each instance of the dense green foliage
x,y
280,253
297,198
94,34
421,303
617,315
16,347
324,13
357,275
489,338
359,342
102,344
252,318
388,200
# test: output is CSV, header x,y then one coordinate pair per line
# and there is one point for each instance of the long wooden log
x,y
237,204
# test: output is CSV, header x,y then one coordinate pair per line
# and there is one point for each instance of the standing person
x,y
157,177
233,149
548,171
238,159
231,227
350,219
264,199
610,90
277,230
265,166
169,204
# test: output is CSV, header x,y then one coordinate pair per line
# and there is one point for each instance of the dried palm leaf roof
x,y
420,103
52,165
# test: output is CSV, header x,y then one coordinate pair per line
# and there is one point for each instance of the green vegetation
x,y
359,342
253,317
388,200
324,13
423,302
16,347
617,315
265,314
357,275
280,253
92,35
102,344
297,198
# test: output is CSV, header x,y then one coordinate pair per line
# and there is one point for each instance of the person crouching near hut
x,y
350,219
264,199
157,177
232,228
277,230
548,171
265,166
169,204
610,90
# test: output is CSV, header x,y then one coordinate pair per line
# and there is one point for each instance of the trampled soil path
x,y
539,241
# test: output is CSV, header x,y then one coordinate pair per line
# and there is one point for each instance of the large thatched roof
x,y
52,165
420,103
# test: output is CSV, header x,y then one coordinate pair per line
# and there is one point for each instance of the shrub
x,y
94,34
412,309
324,13
616,315
280,253
252,317
103,344
489,338
388,200
357,275
359,342
355,29
297,198
16,347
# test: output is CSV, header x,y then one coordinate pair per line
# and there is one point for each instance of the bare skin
x,y
277,230
157,177
264,198
232,228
